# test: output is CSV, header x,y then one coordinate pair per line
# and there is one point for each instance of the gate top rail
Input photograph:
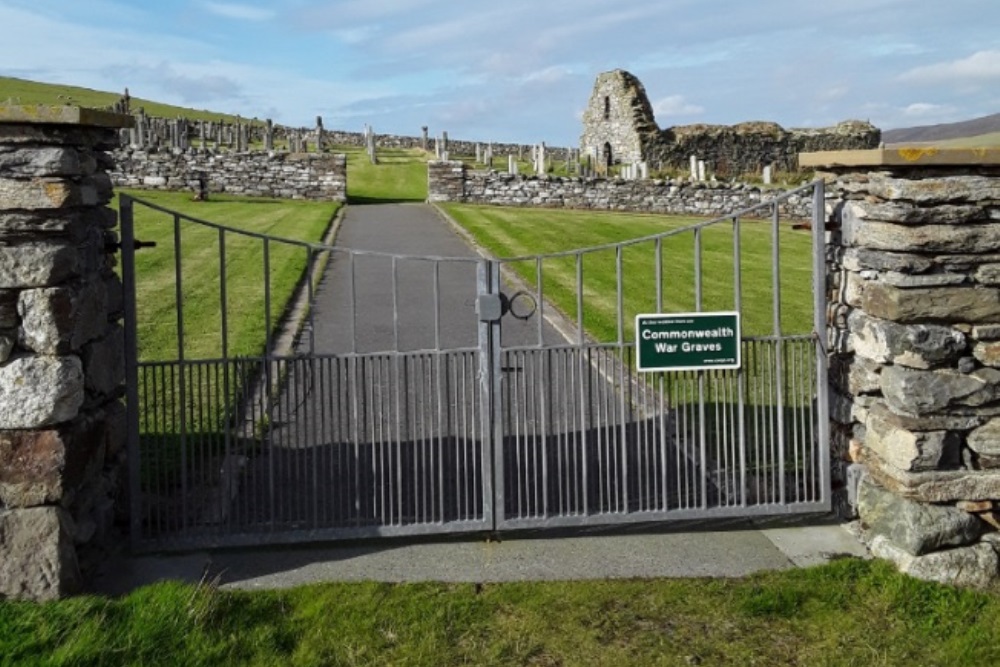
x,y
311,245
323,247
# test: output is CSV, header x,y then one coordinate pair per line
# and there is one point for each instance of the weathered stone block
x,y
943,486
985,439
58,320
863,259
46,466
104,363
37,264
917,392
988,354
972,238
988,274
68,224
46,193
956,419
917,528
37,558
936,190
949,304
972,567
855,374
913,345
911,450
907,213
922,280
986,332
40,391
98,138
40,161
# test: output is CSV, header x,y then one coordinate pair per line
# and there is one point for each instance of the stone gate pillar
x,y
61,347
914,312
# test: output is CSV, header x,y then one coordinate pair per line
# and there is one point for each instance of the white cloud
x,y
548,75
980,67
928,110
675,105
243,12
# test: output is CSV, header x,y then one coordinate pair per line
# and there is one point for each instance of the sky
x,y
520,70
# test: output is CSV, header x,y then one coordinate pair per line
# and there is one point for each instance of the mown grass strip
x,y
513,232
201,270
849,612
399,176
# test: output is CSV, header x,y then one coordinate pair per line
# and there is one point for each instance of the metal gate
x,y
450,394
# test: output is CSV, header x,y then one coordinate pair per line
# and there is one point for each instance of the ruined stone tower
x,y
618,122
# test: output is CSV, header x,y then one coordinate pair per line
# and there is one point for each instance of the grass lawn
x,y
200,270
849,612
399,176
513,232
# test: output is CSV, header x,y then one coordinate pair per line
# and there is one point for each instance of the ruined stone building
x,y
619,128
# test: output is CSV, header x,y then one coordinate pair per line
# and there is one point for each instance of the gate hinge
x,y
136,245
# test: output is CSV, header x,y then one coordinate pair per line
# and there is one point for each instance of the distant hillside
x,y
944,132
22,91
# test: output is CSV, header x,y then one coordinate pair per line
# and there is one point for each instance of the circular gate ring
x,y
525,310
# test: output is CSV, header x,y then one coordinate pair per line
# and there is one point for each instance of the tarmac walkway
x,y
731,549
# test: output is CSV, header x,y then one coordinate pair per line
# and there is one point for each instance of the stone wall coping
x,y
63,115
906,156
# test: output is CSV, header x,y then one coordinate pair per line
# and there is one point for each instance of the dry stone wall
x,y
453,181
914,312
318,176
61,346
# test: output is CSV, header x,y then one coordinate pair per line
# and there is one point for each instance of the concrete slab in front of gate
x,y
723,553
814,545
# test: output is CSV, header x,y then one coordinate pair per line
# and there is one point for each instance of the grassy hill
x,y
974,133
22,91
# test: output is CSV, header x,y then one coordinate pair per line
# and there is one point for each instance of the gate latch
x,y
490,307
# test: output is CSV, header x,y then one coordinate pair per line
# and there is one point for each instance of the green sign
x,y
687,341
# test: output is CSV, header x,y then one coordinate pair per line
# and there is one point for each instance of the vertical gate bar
x,y
436,295
398,446
702,426
490,443
494,421
353,319
228,401
444,389
585,416
355,430
623,414
310,260
540,291
126,215
526,447
779,351
659,274
819,324
181,368
323,441
437,504
741,371
798,430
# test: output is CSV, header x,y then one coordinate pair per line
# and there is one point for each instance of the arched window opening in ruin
x,y
607,108
607,154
